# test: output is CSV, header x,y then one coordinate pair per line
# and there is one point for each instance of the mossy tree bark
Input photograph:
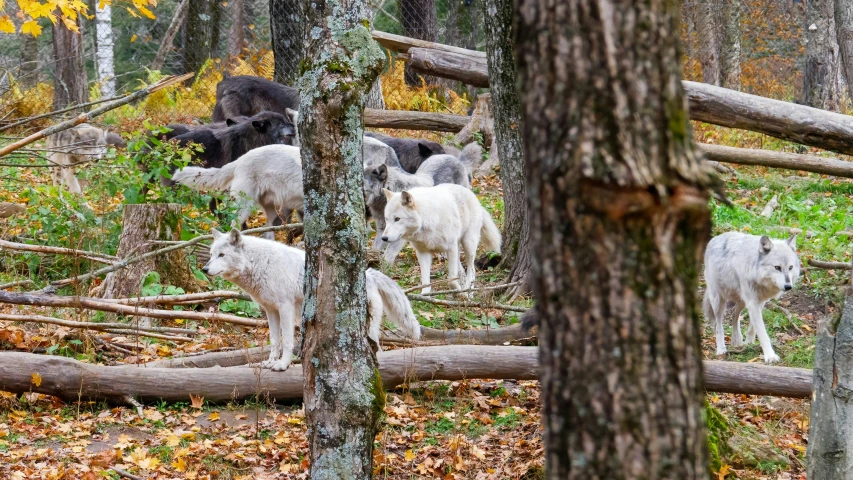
x,y
506,107
344,399
142,224
820,76
618,223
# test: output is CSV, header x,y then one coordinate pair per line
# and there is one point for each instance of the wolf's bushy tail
x,y
471,156
396,304
490,236
529,320
199,178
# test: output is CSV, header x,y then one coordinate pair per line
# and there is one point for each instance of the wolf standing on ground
x,y
69,147
272,274
748,270
437,220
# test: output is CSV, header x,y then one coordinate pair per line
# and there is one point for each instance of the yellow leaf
x,y
36,379
724,470
196,401
6,25
133,38
146,12
213,416
410,455
31,27
180,465
131,12
70,24
173,440
149,463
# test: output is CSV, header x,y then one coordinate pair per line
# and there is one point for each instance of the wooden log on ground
x,y
830,265
72,380
11,209
767,158
401,44
406,120
466,68
233,358
710,104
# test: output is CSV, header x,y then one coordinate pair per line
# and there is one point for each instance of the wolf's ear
x,y
292,114
424,150
792,241
388,193
408,200
234,237
216,233
261,125
381,173
766,245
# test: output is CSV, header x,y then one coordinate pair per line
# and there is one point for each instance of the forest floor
x,y
475,429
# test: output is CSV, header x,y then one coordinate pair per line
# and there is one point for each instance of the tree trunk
x,y
178,19
730,45
104,51
73,380
375,100
618,224
844,36
344,400
287,39
419,21
708,27
29,76
142,224
201,33
236,35
506,107
820,86
69,75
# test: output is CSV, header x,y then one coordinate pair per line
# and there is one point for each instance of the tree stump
x,y
142,225
482,120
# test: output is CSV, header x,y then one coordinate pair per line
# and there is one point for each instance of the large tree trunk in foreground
x,y
287,39
844,36
419,21
142,224
820,76
618,224
344,400
69,75
506,108
71,380
830,450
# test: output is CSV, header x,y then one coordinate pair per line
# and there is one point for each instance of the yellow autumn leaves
x,y
65,11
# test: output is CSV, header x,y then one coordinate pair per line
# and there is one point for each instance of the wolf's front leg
x,y
275,339
425,262
454,273
287,313
756,326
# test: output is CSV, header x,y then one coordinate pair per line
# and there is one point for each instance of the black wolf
x,y
247,95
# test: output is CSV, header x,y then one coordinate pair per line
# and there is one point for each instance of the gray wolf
x,y
437,220
272,274
747,270
247,95
76,145
271,176
410,151
437,170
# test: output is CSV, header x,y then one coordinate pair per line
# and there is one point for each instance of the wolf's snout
x,y
384,238
788,287
204,269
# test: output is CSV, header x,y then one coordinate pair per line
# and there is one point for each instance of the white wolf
x,y
747,270
272,274
270,175
436,220
76,145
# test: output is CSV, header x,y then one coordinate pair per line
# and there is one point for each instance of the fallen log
x,y
72,380
466,68
102,327
767,158
830,265
707,103
401,44
44,300
406,120
25,247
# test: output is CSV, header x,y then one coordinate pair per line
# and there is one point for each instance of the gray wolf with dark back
x,y
747,270
411,152
272,274
271,176
437,170
78,144
247,95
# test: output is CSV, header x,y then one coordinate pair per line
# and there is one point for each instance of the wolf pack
x,y
416,191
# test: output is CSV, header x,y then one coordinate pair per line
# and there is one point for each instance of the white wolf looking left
x,y
747,270
272,274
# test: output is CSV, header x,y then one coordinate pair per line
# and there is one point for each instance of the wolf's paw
x,y
280,365
426,290
737,341
721,350
772,358
268,363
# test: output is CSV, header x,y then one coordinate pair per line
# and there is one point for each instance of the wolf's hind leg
x,y
737,337
718,306
287,314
